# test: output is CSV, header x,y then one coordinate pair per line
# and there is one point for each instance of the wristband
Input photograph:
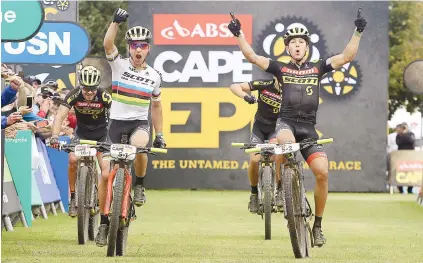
x,y
358,34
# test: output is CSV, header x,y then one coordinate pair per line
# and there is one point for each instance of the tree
x,y
95,17
406,45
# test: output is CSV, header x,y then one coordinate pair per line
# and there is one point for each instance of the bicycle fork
x,y
126,193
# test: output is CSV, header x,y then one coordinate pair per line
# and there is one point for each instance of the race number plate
x,y
123,151
287,148
84,151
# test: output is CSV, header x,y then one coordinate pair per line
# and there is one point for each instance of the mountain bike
x,y
119,186
86,188
297,209
266,186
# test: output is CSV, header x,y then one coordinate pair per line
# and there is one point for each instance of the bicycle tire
x,y
267,186
83,214
122,235
93,222
116,211
293,204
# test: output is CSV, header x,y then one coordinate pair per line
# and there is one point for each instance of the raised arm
x,y
260,61
109,39
351,49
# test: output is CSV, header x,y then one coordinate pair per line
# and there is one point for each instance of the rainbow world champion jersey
x,y
132,90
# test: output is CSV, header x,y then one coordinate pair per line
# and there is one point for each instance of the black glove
x,y
360,22
159,142
235,26
120,16
250,99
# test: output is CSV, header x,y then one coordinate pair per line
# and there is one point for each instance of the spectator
x,y
406,141
7,96
34,82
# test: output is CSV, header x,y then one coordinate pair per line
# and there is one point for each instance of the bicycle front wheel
x,y
296,222
84,184
114,226
267,186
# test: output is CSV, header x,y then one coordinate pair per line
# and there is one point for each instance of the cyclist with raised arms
x,y
91,109
300,80
269,101
134,85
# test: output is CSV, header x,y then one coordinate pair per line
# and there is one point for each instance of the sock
x,y
279,185
72,195
139,180
104,220
317,222
254,189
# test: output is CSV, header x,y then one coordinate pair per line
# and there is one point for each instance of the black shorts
x,y
117,128
97,135
262,132
301,132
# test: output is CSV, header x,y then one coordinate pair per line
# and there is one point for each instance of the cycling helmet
x,y
295,32
138,33
89,76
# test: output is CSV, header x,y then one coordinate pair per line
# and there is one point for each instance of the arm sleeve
x,y
273,68
70,99
3,122
157,88
260,84
7,95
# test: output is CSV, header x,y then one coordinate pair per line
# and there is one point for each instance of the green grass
x,y
215,226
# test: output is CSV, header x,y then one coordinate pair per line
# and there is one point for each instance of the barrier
x,y
10,199
406,168
44,176
59,165
20,168
2,163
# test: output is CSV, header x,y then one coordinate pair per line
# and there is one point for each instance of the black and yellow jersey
x,y
90,115
269,100
300,88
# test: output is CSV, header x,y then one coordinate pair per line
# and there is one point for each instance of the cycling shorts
x,y
262,132
117,128
96,135
301,132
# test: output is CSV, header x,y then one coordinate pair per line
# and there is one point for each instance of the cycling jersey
x,y
132,89
91,116
300,88
269,100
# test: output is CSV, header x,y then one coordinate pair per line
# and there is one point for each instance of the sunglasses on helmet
x,y
136,45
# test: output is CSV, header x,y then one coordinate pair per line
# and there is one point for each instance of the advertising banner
x,y
45,177
59,165
18,156
57,43
199,60
10,199
64,75
406,168
21,20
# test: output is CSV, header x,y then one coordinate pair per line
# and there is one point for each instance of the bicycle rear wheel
x,y
267,186
293,203
116,211
84,187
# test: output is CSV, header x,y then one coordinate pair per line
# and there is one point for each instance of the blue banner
x,y
59,165
44,176
58,43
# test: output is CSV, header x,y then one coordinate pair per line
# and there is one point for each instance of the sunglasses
x,y
136,45
88,89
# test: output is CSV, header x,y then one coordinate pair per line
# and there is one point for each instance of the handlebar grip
x,y
158,150
237,144
88,142
323,141
252,150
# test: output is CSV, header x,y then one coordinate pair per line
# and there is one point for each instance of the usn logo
x,y
271,40
341,83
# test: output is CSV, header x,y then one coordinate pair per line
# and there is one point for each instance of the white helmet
x,y
138,33
89,76
296,32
